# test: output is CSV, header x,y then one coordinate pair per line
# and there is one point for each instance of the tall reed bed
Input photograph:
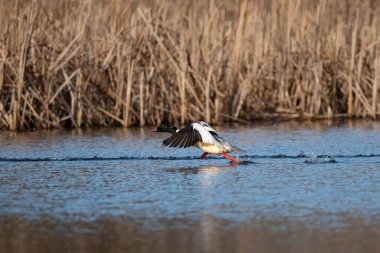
x,y
79,63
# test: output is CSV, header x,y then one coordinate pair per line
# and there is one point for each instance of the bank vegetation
x,y
77,63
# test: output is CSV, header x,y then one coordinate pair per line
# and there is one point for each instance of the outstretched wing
x,y
218,139
184,138
206,135
208,128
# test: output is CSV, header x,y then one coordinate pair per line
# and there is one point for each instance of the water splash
x,y
314,158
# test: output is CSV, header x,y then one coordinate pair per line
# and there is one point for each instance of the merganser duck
x,y
200,135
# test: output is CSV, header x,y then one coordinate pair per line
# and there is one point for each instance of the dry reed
x,y
75,63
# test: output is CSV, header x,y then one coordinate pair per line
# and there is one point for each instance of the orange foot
x,y
203,156
230,157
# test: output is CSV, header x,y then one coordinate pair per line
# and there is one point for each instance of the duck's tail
x,y
239,149
232,148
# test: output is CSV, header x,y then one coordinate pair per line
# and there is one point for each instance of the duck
x,y
200,135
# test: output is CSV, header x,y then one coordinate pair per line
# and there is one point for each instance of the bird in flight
x,y
200,135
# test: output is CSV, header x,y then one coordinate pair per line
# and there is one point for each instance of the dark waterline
x,y
311,187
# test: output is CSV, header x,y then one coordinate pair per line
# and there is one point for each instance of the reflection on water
x,y
310,187
206,169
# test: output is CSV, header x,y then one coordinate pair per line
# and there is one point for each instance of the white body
x,y
209,148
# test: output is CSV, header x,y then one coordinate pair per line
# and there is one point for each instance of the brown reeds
x,y
100,63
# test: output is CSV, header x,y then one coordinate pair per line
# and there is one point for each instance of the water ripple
x,y
312,158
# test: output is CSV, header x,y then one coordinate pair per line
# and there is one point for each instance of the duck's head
x,y
167,129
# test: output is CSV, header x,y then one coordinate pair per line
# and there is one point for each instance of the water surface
x,y
301,187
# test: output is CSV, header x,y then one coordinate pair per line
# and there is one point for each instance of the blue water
x,y
313,173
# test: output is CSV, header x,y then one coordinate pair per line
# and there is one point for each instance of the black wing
x,y
184,138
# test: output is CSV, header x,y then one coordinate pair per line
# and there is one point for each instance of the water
x,y
300,187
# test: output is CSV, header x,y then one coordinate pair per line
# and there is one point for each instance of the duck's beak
x,y
154,130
